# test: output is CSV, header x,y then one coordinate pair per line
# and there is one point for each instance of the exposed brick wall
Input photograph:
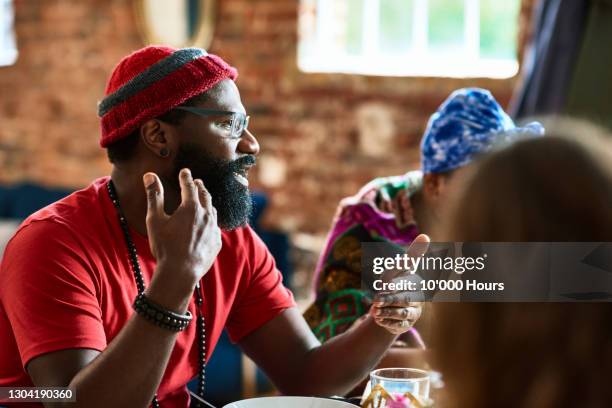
x,y
48,123
322,136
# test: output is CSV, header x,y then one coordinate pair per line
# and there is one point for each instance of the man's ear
x,y
156,137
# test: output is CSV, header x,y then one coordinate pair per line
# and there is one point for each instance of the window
x,y
8,49
455,38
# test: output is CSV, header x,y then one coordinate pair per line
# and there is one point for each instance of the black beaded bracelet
x,y
160,316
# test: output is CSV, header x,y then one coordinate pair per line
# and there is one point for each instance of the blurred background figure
x,y
395,210
556,188
524,355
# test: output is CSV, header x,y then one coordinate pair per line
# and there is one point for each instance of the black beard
x,y
231,199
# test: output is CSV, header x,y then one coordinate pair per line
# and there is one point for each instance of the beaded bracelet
x,y
159,315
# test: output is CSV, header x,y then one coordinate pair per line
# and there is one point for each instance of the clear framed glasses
x,y
239,123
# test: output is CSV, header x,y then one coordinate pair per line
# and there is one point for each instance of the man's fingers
x,y
395,326
155,195
189,193
399,299
204,196
419,246
397,313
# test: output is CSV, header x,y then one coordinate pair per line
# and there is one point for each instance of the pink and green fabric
x,y
340,301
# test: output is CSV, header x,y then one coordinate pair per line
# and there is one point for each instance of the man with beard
x,y
121,292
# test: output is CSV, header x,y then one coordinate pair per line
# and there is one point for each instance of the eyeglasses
x,y
239,123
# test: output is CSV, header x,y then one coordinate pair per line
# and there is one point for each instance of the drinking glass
x,y
401,380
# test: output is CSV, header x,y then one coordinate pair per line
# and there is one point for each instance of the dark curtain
x,y
590,93
549,60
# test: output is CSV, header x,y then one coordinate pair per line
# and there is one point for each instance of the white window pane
x,y
498,28
446,26
396,21
307,28
339,27
450,38
351,38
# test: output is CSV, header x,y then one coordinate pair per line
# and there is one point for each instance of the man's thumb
x,y
155,194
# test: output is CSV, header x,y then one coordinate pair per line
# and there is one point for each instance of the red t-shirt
x,y
66,282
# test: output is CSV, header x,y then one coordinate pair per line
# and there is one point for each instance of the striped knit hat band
x,y
152,81
149,76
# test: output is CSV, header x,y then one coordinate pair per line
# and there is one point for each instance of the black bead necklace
x,y
133,257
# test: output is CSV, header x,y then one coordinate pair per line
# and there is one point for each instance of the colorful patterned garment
x,y
340,301
469,123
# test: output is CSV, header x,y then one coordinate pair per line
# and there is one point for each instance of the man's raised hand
x,y
188,240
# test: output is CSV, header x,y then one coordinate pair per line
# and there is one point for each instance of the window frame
x,y
465,63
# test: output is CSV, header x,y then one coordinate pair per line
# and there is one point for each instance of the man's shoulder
x,y
59,237
243,243
241,238
71,210
73,213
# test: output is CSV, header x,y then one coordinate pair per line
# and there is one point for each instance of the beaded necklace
x,y
133,257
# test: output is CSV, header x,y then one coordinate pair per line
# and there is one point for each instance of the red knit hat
x,y
153,80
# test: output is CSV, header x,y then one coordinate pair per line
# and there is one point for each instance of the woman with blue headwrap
x,y
468,124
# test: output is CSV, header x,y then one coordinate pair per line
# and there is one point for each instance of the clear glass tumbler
x,y
401,380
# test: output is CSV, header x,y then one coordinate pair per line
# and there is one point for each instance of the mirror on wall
x,y
178,23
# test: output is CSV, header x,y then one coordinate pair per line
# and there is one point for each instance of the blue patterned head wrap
x,y
469,123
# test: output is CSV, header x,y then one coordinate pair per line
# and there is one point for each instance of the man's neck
x,y
133,199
